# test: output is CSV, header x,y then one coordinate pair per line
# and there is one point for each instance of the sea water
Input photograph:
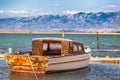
x,y
95,71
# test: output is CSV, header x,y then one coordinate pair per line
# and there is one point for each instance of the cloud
x,y
70,12
22,12
115,7
15,13
1,11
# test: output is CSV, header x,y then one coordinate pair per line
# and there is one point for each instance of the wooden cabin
x,y
56,47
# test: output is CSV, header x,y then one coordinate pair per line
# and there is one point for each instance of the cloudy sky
x,y
59,6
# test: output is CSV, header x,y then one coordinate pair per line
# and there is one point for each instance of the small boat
x,y
49,55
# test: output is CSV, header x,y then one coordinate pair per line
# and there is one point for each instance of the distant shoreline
x,y
79,31
56,33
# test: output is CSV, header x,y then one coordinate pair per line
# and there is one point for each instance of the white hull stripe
x,y
68,61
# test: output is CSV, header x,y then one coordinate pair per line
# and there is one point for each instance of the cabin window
x,y
55,46
45,46
75,48
80,48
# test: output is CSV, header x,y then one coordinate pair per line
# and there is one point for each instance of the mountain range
x,y
71,22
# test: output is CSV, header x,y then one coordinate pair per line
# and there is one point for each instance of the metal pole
x,y
18,48
97,40
63,33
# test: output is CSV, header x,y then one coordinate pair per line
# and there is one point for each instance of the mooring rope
x,y
32,68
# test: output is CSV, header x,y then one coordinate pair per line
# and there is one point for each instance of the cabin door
x,y
37,47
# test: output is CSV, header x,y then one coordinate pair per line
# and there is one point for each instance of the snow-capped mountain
x,y
75,21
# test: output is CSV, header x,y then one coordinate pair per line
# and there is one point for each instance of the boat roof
x,y
53,38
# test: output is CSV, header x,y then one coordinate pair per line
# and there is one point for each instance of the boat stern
x,y
27,64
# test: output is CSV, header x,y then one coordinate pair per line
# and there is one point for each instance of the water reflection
x,y
72,75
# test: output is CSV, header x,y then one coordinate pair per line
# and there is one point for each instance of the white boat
x,y
49,55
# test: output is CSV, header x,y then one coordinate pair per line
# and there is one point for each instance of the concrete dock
x,y
106,59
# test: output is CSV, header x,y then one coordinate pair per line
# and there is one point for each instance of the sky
x,y
59,6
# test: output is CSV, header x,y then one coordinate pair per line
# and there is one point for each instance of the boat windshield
x,y
78,48
51,49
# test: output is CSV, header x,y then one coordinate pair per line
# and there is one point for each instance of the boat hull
x,y
42,65
68,63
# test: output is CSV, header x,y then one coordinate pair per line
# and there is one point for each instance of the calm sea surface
x,y
95,71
